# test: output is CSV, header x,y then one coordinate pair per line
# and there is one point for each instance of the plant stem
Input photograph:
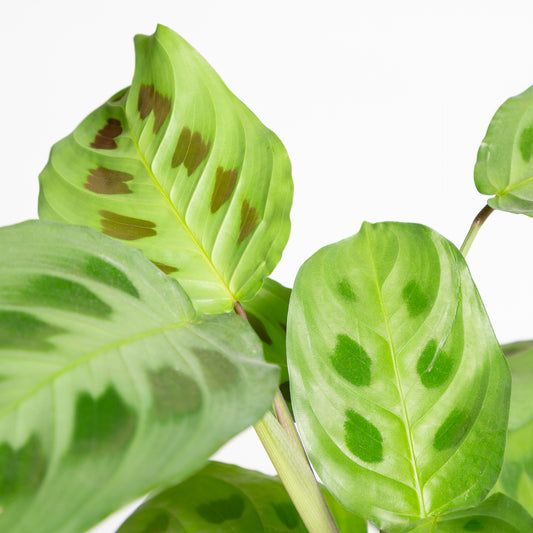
x,y
282,444
474,228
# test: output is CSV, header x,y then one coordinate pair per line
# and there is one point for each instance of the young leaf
x,y
497,514
179,167
267,314
504,166
224,497
110,385
400,389
516,478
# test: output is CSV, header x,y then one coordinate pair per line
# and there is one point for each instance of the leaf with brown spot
x,y
105,138
167,269
213,182
152,100
249,219
127,228
190,150
224,185
106,181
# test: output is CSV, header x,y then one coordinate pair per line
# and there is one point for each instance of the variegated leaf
x,y
399,387
225,497
177,166
504,166
110,384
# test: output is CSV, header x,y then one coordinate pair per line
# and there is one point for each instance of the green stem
x,y
474,228
282,444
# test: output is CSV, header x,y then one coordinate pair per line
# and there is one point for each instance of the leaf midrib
x,y
174,209
405,416
87,357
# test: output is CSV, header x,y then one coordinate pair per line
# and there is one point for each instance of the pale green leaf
x,y
110,385
504,166
267,314
177,166
225,497
516,478
399,387
497,514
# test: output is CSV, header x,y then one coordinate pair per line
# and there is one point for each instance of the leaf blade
x,y
381,415
124,401
180,168
504,167
227,497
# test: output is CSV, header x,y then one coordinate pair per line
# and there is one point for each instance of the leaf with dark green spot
x,y
401,417
224,497
497,514
516,478
504,166
111,385
180,168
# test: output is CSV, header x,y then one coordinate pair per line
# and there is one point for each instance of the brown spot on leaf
x,y
224,185
106,181
167,269
248,220
152,100
126,228
105,138
190,150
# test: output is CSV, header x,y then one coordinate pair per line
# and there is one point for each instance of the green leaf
x,y
224,497
497,514
267,314
399,387
516,478
110,385
504,166
177,166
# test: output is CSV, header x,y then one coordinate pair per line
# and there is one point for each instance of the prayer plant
x,y
139,332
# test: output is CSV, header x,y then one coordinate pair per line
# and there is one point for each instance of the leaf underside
x,y
178,167
504,166
399,387
224,497
110,384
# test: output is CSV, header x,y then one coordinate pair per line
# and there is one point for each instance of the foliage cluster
x,y
125,365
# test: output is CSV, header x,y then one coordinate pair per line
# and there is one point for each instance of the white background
x,y
381,105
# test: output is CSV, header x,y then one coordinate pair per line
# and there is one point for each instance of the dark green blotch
x,y
23,331
259,328
415,299
64,294
453,430
473,525
526,143
345,290
219,371
287,514
219,511
363,438
174,393
351,361
104,272
102,425
22,470
434,367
